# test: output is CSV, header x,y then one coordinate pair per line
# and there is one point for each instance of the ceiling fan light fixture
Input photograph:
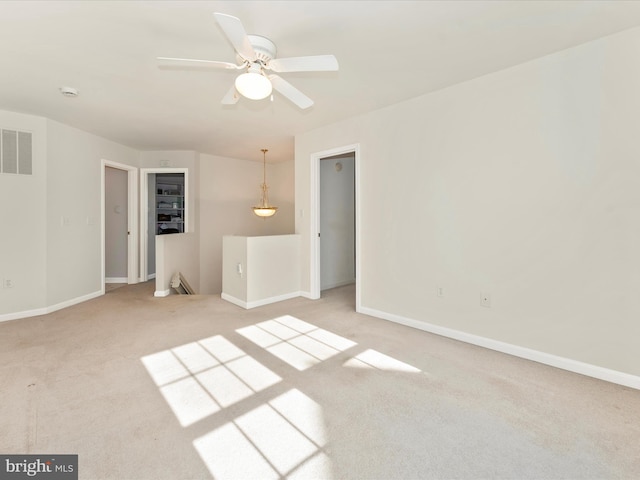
x,y
257,54
253,84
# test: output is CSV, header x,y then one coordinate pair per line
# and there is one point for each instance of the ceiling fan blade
x,y
291,92
192,62
232,96
233,29
318,63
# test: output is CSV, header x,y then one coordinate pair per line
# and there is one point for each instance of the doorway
x,y
116,215
164,200
346,174
337,221
119,212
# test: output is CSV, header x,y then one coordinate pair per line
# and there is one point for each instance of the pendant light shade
x,y
264,209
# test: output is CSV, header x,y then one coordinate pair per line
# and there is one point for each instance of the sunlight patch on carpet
x,y
281,438
200,378
296,342
374,359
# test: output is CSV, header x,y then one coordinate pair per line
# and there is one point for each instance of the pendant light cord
x,y
264,165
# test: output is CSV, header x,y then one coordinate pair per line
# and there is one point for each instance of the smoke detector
x,y
69,91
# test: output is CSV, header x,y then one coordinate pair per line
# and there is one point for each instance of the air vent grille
x,y
16,152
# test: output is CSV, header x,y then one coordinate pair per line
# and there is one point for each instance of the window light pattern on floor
x,y
200,378
280,439
374,359
296,342
283,437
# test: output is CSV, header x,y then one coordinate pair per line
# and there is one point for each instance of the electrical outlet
x,y
440,291
485,299
7,283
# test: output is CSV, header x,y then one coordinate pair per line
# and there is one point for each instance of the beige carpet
x,y
110,287
192,387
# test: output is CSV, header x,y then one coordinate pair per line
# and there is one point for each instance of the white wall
x,y
281,181
260,270
234,253
74,192
522,184
116,223
51,243
337,221
273,268
176,254
23,228
228,189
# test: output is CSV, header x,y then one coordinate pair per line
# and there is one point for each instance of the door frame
x,y
144,211
315,217
132,219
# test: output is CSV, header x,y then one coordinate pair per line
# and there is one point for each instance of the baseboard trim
x,y
24,314
278,298
162,293
575,366
339,284
234,300
116,280
258,303
309,295
53,308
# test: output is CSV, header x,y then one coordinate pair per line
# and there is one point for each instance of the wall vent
x,y
16,152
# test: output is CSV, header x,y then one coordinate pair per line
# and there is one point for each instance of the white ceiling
x,y
388,51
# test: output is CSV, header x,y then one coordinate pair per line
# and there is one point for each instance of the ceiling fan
x,y
256,56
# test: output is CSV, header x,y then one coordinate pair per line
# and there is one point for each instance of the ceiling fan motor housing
x,y
265,49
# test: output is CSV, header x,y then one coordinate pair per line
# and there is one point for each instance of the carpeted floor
x,y
192,387
110,287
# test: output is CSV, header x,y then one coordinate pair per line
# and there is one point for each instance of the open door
x,y
316,211
337,221
126,209
116,234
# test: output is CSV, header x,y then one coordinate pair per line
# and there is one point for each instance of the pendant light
x,y
264,209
